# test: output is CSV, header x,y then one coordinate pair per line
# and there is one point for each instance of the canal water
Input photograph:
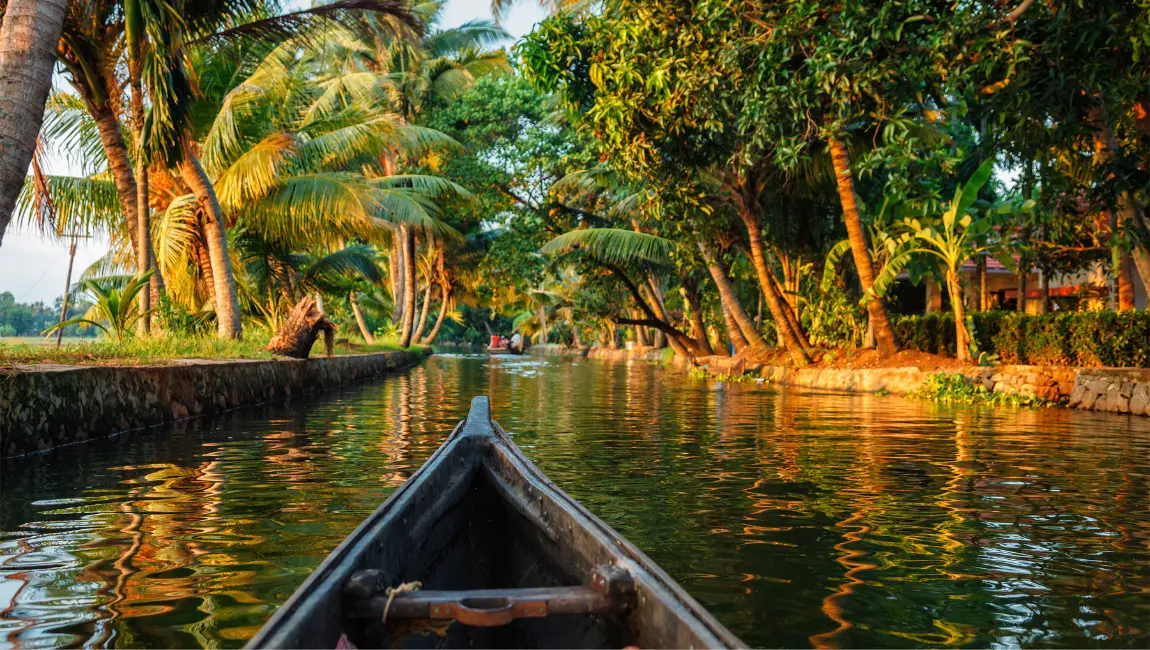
x,y
799,518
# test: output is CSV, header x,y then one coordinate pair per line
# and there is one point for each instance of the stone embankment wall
x,y
1114,390
1117,390
42,407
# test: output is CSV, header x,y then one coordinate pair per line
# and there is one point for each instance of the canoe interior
x,y
478,515
482,542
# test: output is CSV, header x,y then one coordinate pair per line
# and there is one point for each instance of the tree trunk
x,y
661,339
1043,292
1023,272
395,262
359,319
640,331
575,341
216,239
297,336
734,333
661,312
793,342
144,253
443,306
120,166
543,324
423,313
961,338
730,300
1105,147
407,238
204,262
698,327
980,268
876,307
789,312
28,39
1126,284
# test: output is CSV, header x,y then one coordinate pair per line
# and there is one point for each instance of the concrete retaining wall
x,y
42,407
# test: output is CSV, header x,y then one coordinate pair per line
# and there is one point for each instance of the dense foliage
x,y
1091,339
761,178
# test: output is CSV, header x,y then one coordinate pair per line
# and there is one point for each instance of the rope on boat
x,y
392,592
402,628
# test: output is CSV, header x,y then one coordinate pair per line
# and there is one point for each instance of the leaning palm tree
x,y
28,38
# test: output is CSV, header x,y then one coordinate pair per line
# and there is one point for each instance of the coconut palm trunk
x,y
543,324
28,38
423,313
745,326
444,304
640,331
359,319
215,236
395,265
119,165
145,257
734,333
876,308
698,327
407,240
793,341
1105,148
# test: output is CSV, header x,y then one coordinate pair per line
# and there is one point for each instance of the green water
x,y
799,518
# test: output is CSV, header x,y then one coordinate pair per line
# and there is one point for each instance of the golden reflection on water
x,y
798,518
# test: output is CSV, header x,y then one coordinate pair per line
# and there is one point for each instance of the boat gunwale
x,y
479,424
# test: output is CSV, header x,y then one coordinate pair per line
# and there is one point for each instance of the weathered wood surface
x,y
297,336
479,516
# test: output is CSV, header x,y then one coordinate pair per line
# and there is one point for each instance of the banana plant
x,y
115,310
963,231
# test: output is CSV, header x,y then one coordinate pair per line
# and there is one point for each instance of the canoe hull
x,y
479,515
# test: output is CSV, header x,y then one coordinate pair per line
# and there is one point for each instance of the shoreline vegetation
x,y
160,350
919,194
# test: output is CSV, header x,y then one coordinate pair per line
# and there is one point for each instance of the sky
x,y
34,268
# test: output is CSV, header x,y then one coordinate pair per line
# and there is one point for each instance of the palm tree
x,y
302,151
28,39
437,66
96,39
852,217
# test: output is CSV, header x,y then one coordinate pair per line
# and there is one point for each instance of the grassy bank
x,y
159,350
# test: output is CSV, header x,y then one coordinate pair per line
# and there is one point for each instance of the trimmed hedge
x,y
1091,339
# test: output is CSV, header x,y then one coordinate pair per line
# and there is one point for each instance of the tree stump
x,y
297,336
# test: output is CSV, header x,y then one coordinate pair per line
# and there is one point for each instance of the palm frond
x,y
613,246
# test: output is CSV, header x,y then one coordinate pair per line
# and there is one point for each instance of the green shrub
x,y
954,388
1090,339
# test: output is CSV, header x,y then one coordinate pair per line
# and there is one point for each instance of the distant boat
x,y
503,349
481,550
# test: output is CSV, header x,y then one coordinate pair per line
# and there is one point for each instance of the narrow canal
x,y
798,518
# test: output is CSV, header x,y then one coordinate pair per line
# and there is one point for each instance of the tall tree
x,y
28,37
